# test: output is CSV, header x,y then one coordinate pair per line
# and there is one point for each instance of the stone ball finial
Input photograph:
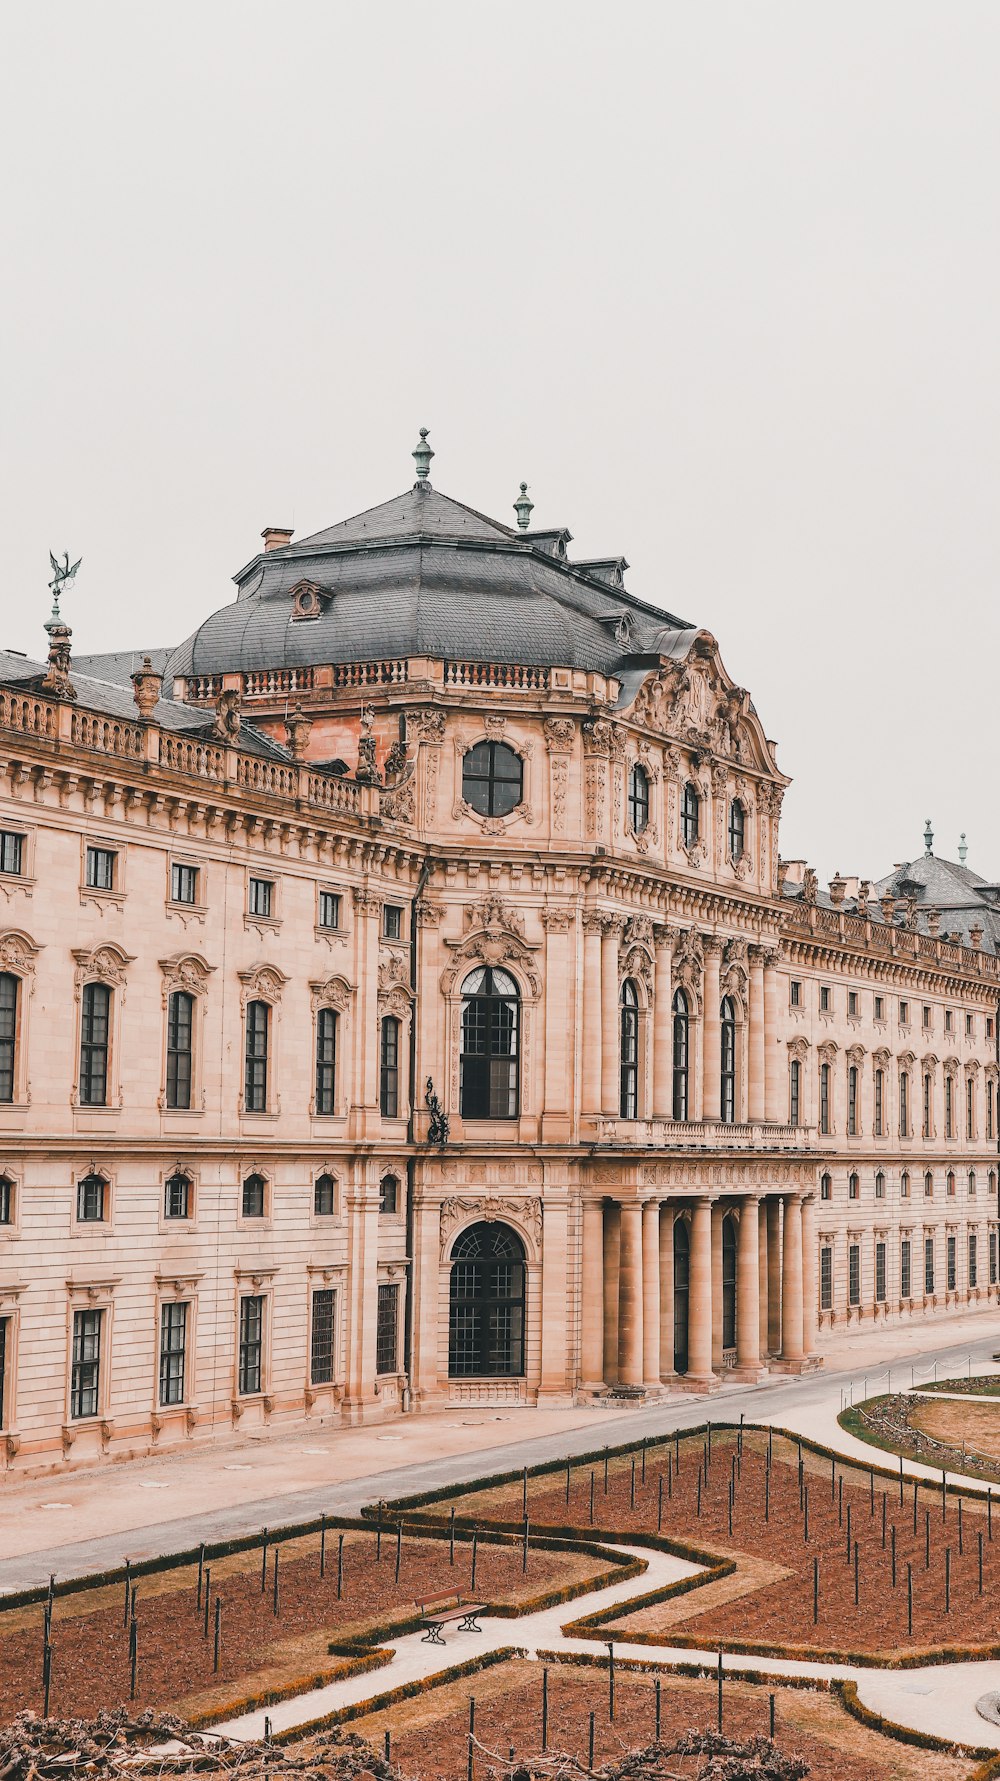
x,y
423,454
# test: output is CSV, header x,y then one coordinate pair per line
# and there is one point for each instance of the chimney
x,y
851,885
146,685
976,936
795,871
276,537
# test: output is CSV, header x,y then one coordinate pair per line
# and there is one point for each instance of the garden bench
x,y
437,1611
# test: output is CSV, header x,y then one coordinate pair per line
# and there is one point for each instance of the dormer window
x,y
307,599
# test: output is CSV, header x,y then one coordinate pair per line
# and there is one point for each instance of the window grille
x,y
386,1331
251,1343
321,1343
173,1351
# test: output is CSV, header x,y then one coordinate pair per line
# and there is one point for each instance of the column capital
x,y
593,921
713,946
612,926
663,937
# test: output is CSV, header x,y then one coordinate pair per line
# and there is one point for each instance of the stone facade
x,y
698,1162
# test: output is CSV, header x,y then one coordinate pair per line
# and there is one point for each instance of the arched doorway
x,y
729,1281
486,1310
682,1260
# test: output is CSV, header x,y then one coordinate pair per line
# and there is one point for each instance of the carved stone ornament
x,y
828,1051
907,1059
637,963
597,736
810,886
398,804
856,1054
394,993
494,936
307,599
557,921
688,963
525,1215
106,964
495,725
559,734
639,930
335,992
298,729
881,1058
493,912
428,914
798,1049
17,953
186,971
263,983
426,724
226,727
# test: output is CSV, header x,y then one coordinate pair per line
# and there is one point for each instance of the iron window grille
x,y
628,1052
321,1337
9,999
183,883
326,1061
251,1356
329,909
11,852
324,1196
490,1061
492,778
101,868
690,815
389,1067
854,1274
180,1049
85,1377
177,1196
254,1196
260,897
638,799
929,1265
258,1021
952,1264
173,1352
91,1199
388,1196
386,1329
727,1082
880,1273
905,1286
973,1260
826,1278
95,1041
486,1304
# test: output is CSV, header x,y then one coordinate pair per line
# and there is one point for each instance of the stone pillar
x,y
775,1075
365,1118
610,1054
663,1033
755,1047
712,1041
748,1291
762,1275
592,1297
810,1275
555,1383
612,1252
791,1283
560,1021
426,1295
774,1274
651,1295
630,1296
591,1086
362,1294
700,1295
666,1292
718,1214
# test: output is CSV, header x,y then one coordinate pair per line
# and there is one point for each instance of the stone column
x,y
774,1080
362,1282
712,1041
651,1295
630,1296
560,1020
365,1119
762,1275
700,1295
591,1086
610,1057
612,1252
426,1297
791,1282
666,1293
748,1290
774,1274
592,1297
755,1046
663,1037
555,1383
810,1275
718,1214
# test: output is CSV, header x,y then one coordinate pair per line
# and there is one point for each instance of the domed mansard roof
x,y
423,575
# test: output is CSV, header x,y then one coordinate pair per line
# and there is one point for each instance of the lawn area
x,y
984,1386
935,1431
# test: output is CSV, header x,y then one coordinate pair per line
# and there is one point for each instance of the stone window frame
x,y
178,1226
23,881
91,1295
15,1175
115,897
635,965
494,729
18,953
324,1221
263,924
262,983
336,993
327,1277
648,837
197,910
176,1287
188,973
10,1308
396,999
523,1213
253,1282
494,938
345,927
246,1221
971,1102
105,963
93,1227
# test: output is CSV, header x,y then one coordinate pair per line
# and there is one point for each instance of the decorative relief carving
x,y
856,1054
798,1049
557,921
689,963
525,1214
394,993
594,796
494,935
334,992
827,1052
559,734
263,983
425,724
186,971
107,964
17,953
637,963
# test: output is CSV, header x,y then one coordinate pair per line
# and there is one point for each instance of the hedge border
x,y
905,1734
853,1423
357,1664
405,1691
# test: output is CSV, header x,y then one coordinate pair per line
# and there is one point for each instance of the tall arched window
x,y
257,1052
680,1072
180,1048
95,1044
326,1060
904,1104
638,798
690,813
9,996
388,1090
492,778
737,830
729,1281
487,1303
795,1092
852,1100
824,1099
727,1099
490,1021
628,1015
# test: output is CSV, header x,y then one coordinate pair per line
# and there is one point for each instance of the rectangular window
x,y
91,1193
824,1099
251,1343
904,1104
824,999
95,1038
11,852
904,1014
177,1196
6,1200
854,1274
260,897
928,1265
4,1323
173,1352
879,1103
389,1067
993,1258
970,1107
180,1050
949,1107
826,1278
952,1275
326,1061
392,921
970,1026
386,1344
880,1273
852,1002
258,1034
852,1100
10,989
990,1102
947,1020
795,991
905,1287
925,1017
879,1007
321,1337
101,864
85,1379
183,883
329,909
973,1260
927,1104
794,1091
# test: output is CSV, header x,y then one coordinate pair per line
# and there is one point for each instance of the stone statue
x,y
437,1130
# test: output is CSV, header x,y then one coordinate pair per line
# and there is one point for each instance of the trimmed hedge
x,y
422,1685
904,1734
358,1664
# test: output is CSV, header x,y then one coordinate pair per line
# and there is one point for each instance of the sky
x,y
720,280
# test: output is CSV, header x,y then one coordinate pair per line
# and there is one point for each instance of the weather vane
x,y
62,576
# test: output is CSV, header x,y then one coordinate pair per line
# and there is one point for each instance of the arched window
x,y
853,1187
904,1185
492,778
729,1281
727,1098
904,1104
324,1196
257,1056
972,1184
824,1099
690,811
638,798
490,1019
680,1071
879,1185
326,1060
629,1051
95,1044
254,1196
682,1276
486,1313
388,1196
389,1067
928,1185
852,1100
9,998
826,1187
950,1184
795,1092
180,1048
737,830
177,1195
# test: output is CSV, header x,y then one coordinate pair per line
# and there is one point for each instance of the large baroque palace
x,y
403,1002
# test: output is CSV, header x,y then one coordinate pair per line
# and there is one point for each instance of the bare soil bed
x,y
259,1650
430,1733
770,1600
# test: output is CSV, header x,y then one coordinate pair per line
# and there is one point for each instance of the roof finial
x,y
963,848
928,837
423,454
523,508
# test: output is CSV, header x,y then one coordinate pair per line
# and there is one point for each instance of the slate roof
x,y
119,665
420,575
964,899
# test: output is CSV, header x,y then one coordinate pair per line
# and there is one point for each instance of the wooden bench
x,y
438,1611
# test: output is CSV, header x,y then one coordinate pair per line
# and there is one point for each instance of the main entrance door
x,y
682,1258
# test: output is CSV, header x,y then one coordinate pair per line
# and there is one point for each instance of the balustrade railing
x,y
501,674
710,1134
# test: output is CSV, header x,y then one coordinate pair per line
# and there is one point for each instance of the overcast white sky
x,y
722,281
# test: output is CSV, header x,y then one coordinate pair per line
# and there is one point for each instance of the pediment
x,y
695,702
